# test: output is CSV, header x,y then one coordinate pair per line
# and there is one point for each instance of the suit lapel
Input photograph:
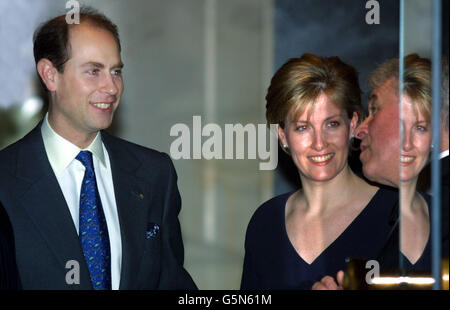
x,y
39,193
131,200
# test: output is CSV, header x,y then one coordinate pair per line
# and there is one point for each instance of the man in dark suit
x,y
89,210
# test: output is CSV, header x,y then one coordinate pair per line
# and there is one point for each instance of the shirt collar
x,y
443,154
61,152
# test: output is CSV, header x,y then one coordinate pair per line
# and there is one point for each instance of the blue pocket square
x,y
152,230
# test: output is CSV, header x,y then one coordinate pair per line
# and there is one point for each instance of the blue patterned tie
x,y
93,229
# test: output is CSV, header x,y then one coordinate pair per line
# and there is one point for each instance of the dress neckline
x,y
426,249
364,213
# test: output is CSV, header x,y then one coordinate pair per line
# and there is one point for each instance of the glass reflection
x,y
415,146
423,142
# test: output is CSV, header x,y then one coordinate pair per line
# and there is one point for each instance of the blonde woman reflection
x,y
394,161
412,149
295,239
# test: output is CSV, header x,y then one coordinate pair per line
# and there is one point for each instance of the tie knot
x,y
85,157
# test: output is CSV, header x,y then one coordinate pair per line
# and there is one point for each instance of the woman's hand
x,y
328,283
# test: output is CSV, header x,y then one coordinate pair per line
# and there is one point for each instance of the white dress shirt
x,y
70,172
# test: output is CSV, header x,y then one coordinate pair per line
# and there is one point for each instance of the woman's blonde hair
x,y
300,81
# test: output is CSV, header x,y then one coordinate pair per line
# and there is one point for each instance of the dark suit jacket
x,y
9,277
45,235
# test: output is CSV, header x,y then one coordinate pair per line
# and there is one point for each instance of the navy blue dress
x,y
389,257
271,261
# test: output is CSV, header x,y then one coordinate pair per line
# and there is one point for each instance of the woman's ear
x,y
282,136
48,73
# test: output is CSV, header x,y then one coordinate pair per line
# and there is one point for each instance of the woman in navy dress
x,y
295,239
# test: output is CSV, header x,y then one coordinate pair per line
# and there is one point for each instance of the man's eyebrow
x,y
100,65
93,64
119,65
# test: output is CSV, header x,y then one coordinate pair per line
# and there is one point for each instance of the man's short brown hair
x,y
51,39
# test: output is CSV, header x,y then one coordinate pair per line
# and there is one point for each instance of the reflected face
x,y
416,141
89,90
319,140
382,154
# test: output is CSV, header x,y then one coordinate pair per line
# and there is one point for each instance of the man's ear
x,y
48,73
